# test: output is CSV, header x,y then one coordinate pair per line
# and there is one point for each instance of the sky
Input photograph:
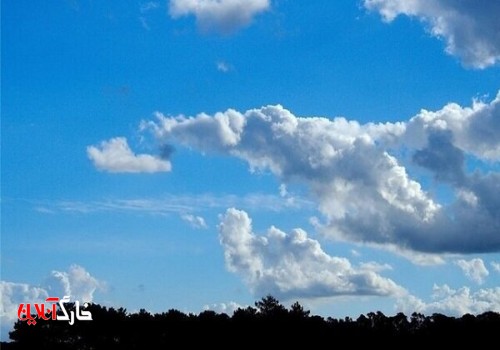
x,y
201,154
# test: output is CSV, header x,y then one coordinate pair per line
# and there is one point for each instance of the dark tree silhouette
x,y
116,329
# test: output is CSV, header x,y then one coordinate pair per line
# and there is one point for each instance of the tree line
x,y
268,323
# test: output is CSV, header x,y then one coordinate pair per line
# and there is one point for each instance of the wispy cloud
x,y
195,221
149,6
174,204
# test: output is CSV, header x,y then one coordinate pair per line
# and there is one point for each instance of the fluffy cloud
x,y
474,269
293,265
116,156
363,191
76,282
195,221
455,302
470,28
223,16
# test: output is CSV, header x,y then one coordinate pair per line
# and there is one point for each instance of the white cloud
x,y
456,302
470,28
223,16
364,193
116,156
226,308
474,269
495,266
195,221
76,282
293,265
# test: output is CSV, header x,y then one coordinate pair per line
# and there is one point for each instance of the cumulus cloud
x,y
294,265
495,266
195,221
116,156
222,16
470,28
474,269
76,282
455,302
363,190
473,130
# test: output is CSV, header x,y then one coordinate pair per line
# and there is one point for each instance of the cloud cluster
x,y
455,302
115,156
76,282
222,16
474,269
294,265
363,190
470,28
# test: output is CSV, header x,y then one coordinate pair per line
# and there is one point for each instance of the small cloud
x,y
224,67
283,190
221,16
226,308
196,222
474,269
495,266
115,156
374,266
355,253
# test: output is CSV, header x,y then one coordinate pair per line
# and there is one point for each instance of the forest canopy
x,y
113,328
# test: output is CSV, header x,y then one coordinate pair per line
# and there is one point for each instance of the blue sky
x,y
116,188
